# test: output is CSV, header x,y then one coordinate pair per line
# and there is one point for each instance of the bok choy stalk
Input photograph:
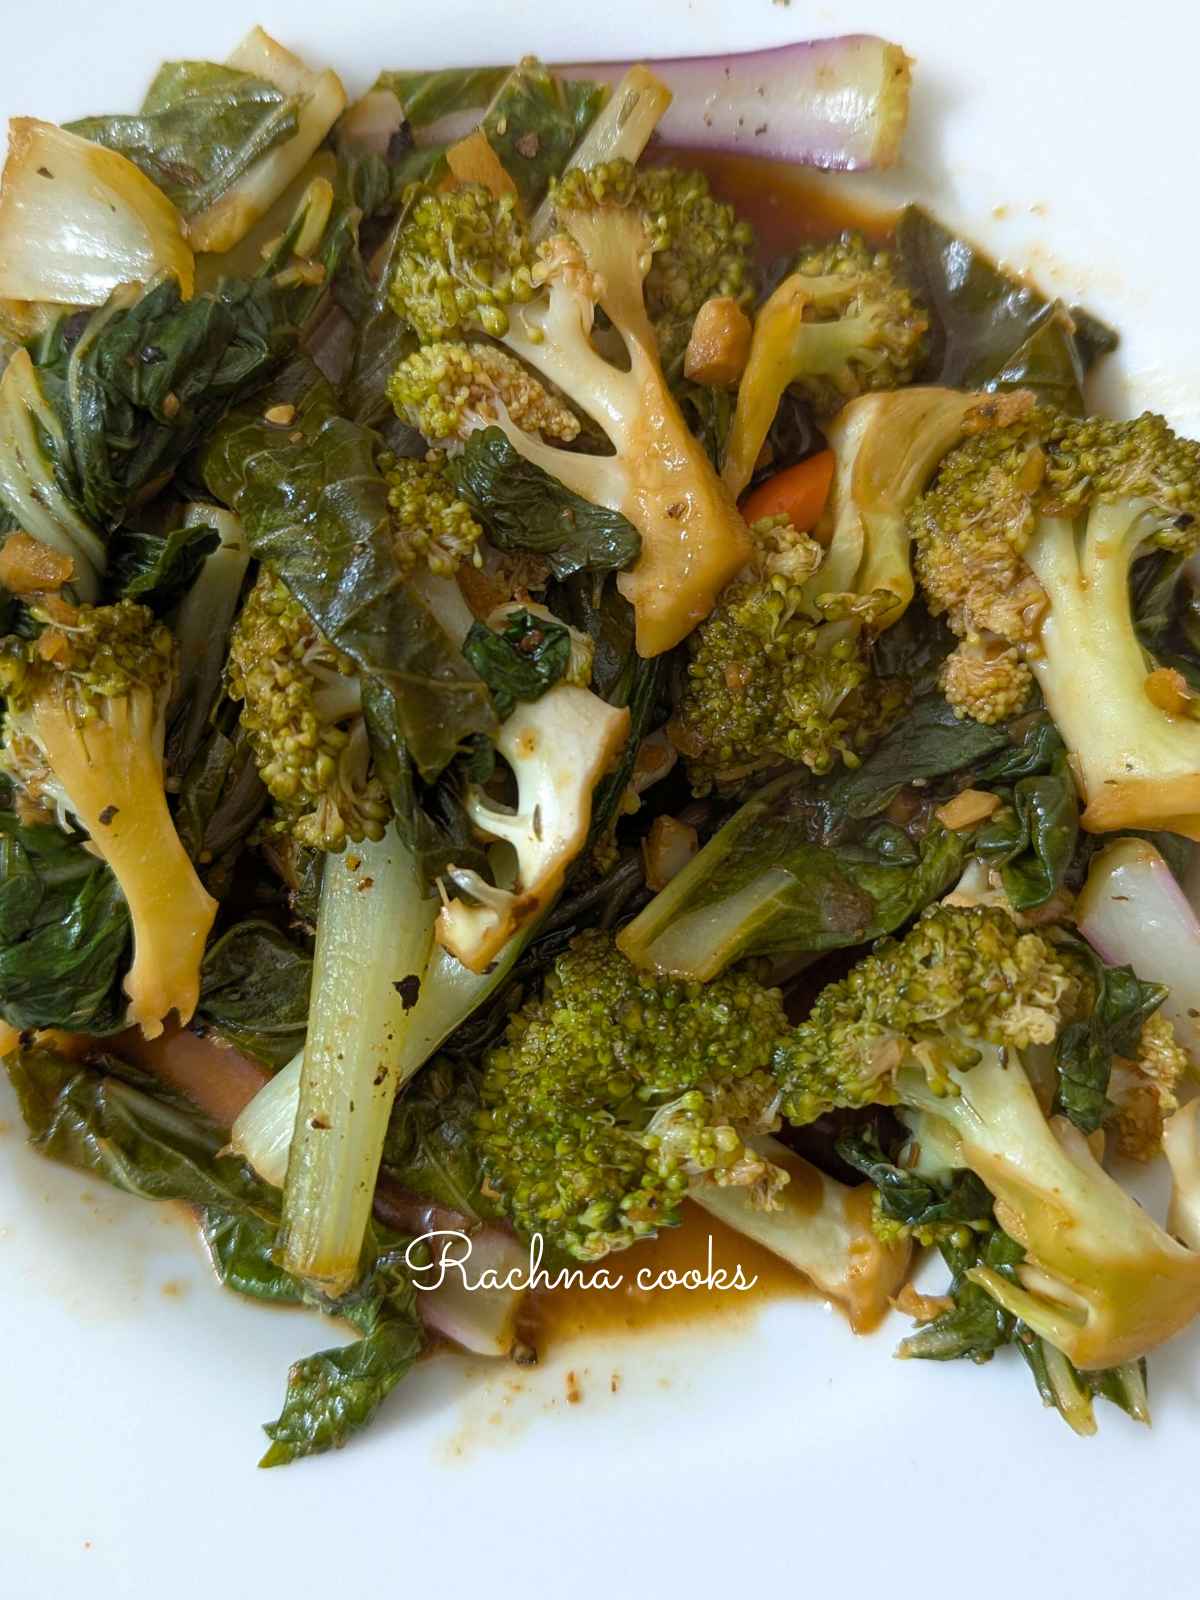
x,y
1132,911
621,131
201,627
446,995
318,99
374,935
78,220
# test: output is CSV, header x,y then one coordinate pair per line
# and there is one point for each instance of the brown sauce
x,y
787,206
555,1316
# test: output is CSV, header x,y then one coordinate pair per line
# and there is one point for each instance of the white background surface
x,y
776,1451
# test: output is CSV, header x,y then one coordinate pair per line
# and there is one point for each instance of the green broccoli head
x,y
447,391
773,677
706,250
84,725
840,325
938,1023
462,257
434,526
920,1003
613,1090
301,706
463,266
872,331
1025,542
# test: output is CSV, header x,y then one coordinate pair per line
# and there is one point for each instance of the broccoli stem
x,y
1102,1282
818,1226
374,934
110,767
1140,766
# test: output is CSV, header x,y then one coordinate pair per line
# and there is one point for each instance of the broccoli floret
x,y
1143,1089
84,727
774,677
434,527
1025,543
462,259
447,391
301,705
937,1022
782,668
464,265
613,1090
841,324
887,448
559,747
709,251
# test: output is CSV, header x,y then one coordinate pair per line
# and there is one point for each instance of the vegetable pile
x,y
522,716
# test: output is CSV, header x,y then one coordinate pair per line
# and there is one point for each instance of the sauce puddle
x,y
553,1317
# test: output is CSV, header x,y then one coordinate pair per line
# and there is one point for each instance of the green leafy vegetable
x,y
1034,838
221,796
314,506
775,881
519,661
975,1326
158,569
118,397
102,1120
427,97
929,743
65,934
990,330
144,1144
335,1393
919,1203
524,508
430,1148
254,992
200,128
534,123
1084,1051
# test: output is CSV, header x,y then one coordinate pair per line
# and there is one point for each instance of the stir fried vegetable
x,y
522,722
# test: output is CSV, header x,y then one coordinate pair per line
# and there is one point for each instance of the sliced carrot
x,y
800,493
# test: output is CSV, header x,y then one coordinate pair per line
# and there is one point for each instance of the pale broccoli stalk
x,y
1026,541
464,265
559,747
840,325
820,1227
374,933
1102,1282
83,737
937,1022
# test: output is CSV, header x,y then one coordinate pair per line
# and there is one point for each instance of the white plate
x,y
1063,135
